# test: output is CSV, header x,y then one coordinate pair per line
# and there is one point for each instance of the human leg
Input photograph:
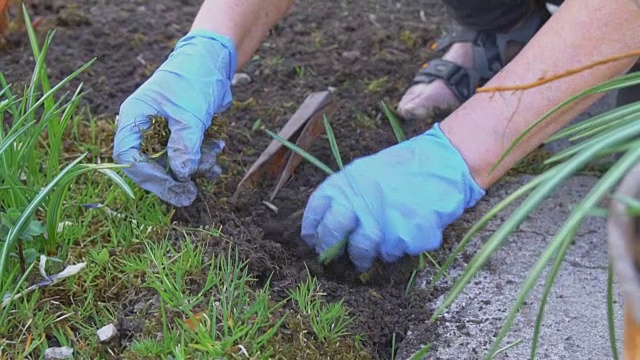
x,y
492,33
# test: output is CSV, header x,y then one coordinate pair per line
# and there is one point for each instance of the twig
x,y
545,80
69,271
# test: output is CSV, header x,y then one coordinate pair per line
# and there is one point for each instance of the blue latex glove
x,y
393,203
187,89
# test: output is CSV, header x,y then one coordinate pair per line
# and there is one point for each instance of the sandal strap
x,y
459,79
489,56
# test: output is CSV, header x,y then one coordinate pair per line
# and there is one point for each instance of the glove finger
x,y
316,207
152,177
208,166
184,145
398,229
132,121
364,244
337,224
426,241
392,249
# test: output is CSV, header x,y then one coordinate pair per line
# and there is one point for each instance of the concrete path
x,y
575,322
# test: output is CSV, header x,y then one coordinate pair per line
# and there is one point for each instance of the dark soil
x,y
367,50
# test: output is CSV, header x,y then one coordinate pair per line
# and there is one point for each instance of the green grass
x,y
211,314
34,179
328,321
63,203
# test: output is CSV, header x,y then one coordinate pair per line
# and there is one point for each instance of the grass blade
x,y
547,290
332,142
564,154
610,314
55,89
118,180
29,211
420,354
598,120
569,228
298,150
510,346
522,212
480,224
617,83
10,140
393,121
13,293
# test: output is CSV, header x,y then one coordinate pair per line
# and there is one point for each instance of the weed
x,y
34,181
156,136
318,39
244,105
377,85
160,284
422,264
409,39
329,321
365,121
217,316
302,71
275,61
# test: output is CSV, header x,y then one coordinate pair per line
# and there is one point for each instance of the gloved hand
x,y
187,89
392,203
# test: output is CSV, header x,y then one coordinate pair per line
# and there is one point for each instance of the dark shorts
x,y
492,14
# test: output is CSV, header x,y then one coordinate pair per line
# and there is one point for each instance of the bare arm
x,y
246,22
581,32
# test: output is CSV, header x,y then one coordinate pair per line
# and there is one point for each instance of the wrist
x,y
216,49
196,76
450,158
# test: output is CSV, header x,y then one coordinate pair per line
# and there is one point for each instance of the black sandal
x,y
490,55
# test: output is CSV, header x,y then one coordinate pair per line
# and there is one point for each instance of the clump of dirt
x,y
71,15
298,343
156,137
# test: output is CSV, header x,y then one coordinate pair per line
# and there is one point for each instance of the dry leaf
x,y
303,128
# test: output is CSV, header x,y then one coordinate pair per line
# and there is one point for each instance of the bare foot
x,y
421,100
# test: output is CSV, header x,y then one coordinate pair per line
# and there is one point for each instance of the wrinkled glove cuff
x,y
225,41
195,80
473,191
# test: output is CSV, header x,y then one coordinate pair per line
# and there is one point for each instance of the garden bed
x,y
367,50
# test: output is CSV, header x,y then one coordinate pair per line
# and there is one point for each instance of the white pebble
x,y
107,333
56,353
240,79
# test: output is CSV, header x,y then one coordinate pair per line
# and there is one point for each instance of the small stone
x,y
139,306
56,353
351,56
72,16
240,79
107,333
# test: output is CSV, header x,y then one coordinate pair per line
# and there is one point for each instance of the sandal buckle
x,y
456,76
